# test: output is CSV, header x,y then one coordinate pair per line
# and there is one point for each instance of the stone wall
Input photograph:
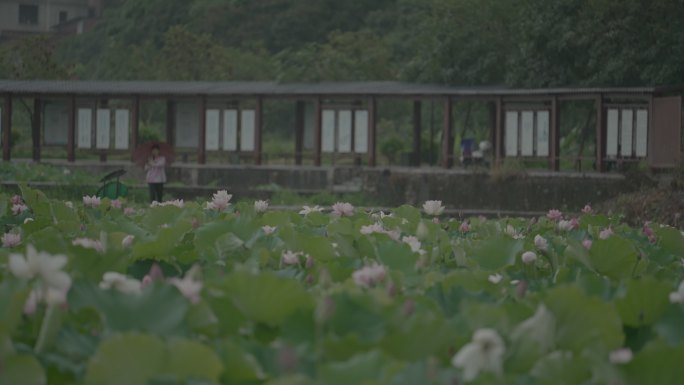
x,y
459,189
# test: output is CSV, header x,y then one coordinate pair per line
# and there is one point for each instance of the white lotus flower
x,y
606,233
176,202
89,244
678,296
190,286
483,354
260,206
374,228
620,356
541,243
495,278
41,265
18,208
565,225
11,239
433,208
91,201
343,209
268,229
369,275
540,328
510,230
413,242
529,257
127,241
220,200
306,210
289,257
49,296
120,282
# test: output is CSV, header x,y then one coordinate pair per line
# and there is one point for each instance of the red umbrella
x,y
143,152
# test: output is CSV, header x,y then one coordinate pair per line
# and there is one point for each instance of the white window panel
x,y
247,130
230,130
527,133
511,136
328,131
542,133
642,133
104,122
187,125
361,131
627,128
121,129
344,131
612,132
211,133
85,128
56,125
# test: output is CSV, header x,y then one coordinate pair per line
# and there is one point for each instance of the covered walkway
x,y
338,119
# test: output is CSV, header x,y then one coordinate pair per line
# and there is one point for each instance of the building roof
x,y
261,88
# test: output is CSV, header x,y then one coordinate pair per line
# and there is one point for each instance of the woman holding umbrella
x,y
156,174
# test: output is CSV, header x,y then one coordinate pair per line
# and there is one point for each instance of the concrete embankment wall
x,y
458,189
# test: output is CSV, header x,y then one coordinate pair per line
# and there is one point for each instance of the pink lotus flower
x,y
260,206
606,233
587,243
155,274
648,232
290,258
11,239
49,296
464,227
91,201
554,215
89,244
220,200
189,286
17,200
128,211
268,229
116,204
369,276
343,209
19,208
587,209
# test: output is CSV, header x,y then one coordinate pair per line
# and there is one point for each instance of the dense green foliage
x,y
319,298
465,42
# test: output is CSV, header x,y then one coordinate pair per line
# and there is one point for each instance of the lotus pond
x,y
104,292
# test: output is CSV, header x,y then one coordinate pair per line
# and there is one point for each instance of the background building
x,y
22,17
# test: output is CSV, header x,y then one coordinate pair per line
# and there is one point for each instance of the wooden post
x,y
300,111
135,123
600,147
202,135
499,131
417,116
318,128
35,130
258,130
170,122
372,131
7,128
71,130
447,140
554,161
